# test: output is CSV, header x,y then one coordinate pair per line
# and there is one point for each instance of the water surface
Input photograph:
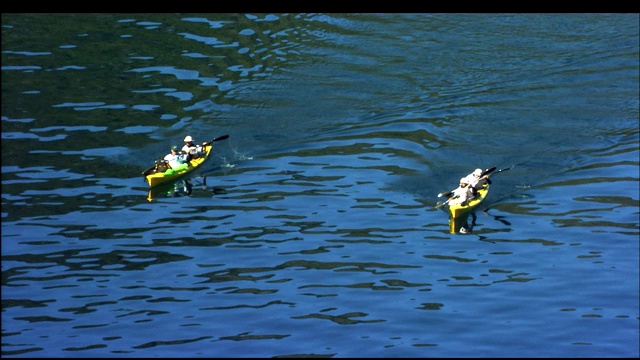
x,y
315,232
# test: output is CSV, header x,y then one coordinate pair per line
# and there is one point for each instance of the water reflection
x,y
177,188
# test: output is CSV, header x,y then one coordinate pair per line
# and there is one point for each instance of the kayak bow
x,y
155,179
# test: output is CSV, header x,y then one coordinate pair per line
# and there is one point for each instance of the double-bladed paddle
x,y
223,137
481,175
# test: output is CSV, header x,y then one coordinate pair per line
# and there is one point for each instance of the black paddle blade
x,y
223,137
487,171
505,169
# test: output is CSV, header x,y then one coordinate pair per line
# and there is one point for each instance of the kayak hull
x,y
156,179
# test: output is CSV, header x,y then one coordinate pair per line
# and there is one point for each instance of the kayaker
x,y
175,159
462,194
476,180
192,150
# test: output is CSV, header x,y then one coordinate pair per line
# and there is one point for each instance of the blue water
x,y
312,231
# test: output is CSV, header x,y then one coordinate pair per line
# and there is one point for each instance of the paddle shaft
x,y
441,205
223,137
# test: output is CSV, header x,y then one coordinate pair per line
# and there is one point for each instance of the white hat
x,y
464,180
188,138
477,172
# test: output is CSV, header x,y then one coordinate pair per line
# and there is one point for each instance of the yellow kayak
x,y
157,178
457,210
459,213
